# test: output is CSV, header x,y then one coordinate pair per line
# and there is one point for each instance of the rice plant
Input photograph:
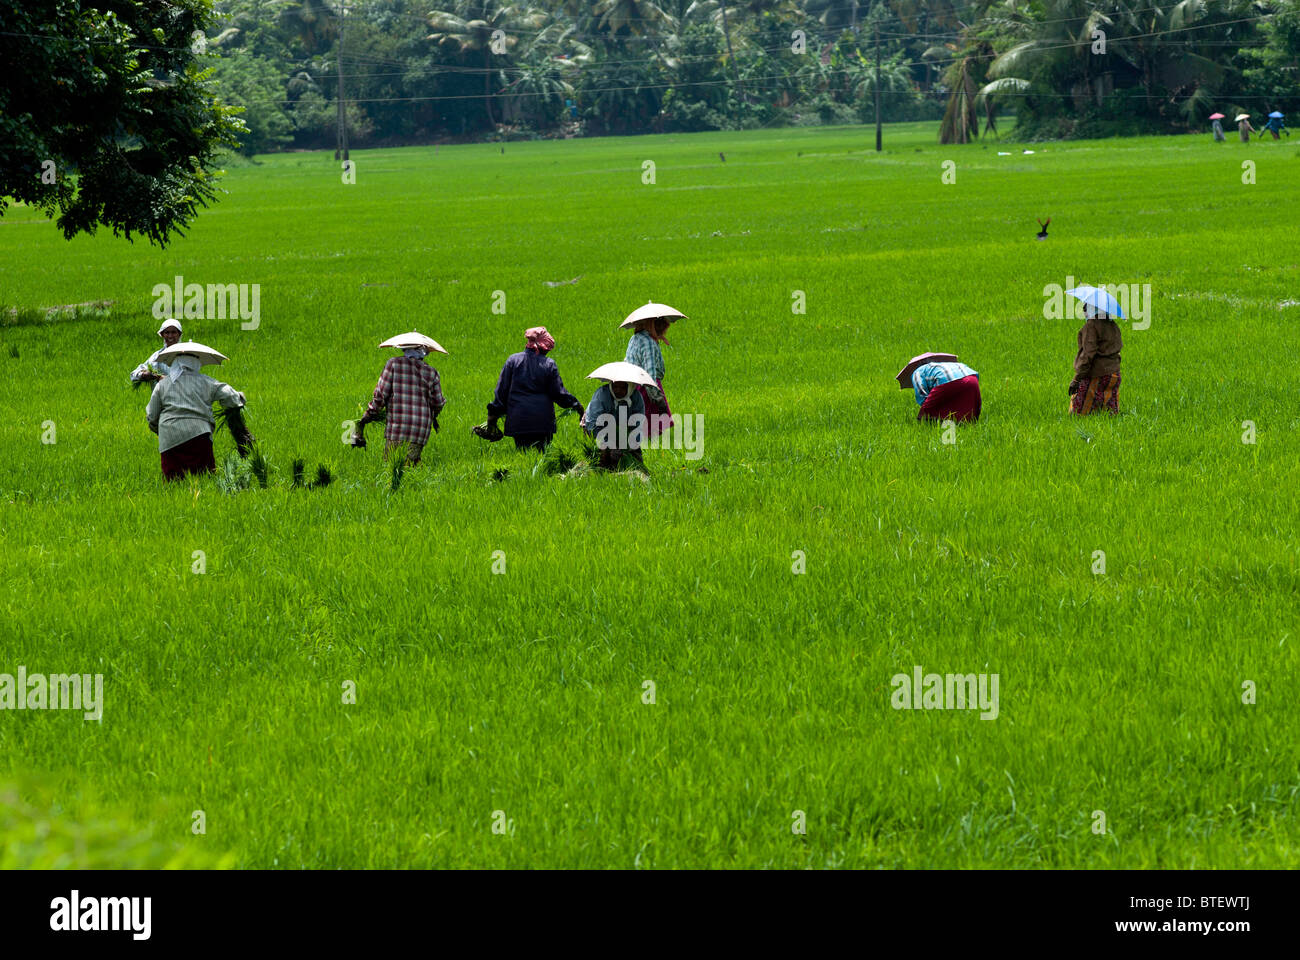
x,y
259,466
1132,591
234,474
397,466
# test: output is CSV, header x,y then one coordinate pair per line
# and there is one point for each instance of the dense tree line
x,y
486,68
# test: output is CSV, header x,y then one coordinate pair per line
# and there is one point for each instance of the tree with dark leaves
x,y
107,116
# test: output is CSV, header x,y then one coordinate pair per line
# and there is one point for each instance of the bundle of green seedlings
x,y
234,421
323,476
577,454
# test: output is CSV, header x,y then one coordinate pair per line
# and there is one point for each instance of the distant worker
x,y
180,409
649,325
1243,127
408,397
1095,386
151,371
527,393
944,387
616,415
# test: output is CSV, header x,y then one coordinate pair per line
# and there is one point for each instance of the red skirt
x,y
192,456
954,400
658,417
1096,394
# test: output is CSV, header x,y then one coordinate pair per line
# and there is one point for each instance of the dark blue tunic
x,y
529,385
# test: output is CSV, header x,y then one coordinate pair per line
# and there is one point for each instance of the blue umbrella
x,y
1099,298
1276,115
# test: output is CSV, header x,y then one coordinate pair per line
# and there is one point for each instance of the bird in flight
x,y
1042,234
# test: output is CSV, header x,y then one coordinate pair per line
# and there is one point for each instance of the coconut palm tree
x,y
1146,47
472,28
638,17
967,92
310,21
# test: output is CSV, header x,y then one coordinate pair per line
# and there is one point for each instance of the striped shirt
x,y
181,409
411,392
930,375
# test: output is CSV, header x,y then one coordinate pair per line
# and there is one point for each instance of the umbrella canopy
x,y
1240,117
621,370
1216,116
1099,298
412,339
904,376
652,311
188,348
1277,115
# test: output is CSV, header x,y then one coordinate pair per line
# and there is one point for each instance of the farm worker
x,y
527,391
1243,127
180,409
1273,126
649,325
1095,385
151,371
1217,127
945,388
410,392
616,418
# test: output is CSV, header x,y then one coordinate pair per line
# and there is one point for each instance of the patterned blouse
x,y
644,351
925,378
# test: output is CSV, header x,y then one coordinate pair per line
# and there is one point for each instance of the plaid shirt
x,y
411,392
643,350
925,378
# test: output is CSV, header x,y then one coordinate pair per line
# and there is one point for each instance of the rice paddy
x,y
482,661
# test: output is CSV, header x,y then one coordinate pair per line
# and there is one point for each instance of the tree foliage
x,y
108,115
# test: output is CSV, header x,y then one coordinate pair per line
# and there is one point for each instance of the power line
x,y
678,83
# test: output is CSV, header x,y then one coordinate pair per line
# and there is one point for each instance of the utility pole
x,y
341,149
877,86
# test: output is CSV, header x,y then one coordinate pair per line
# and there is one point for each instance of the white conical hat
x,y
622,371
652,311
188,348
413,339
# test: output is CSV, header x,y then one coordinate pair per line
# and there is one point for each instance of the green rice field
x,y
500,665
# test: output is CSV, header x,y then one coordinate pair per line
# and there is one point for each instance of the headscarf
x,y
169,323
626,398
650,327
539,340
182,365
415,353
